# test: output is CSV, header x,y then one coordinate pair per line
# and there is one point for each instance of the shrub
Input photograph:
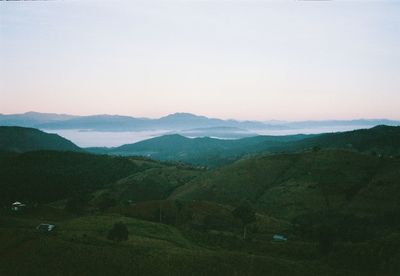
x,y
118,233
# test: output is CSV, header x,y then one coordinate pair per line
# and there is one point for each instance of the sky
x,y
248,60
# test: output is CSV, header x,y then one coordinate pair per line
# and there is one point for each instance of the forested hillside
x,y
21,139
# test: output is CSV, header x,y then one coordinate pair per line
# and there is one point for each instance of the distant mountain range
x,y
179,122
32,119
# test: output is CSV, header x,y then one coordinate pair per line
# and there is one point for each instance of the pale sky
x,y
259,60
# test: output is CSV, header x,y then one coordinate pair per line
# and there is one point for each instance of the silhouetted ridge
x,y
22,139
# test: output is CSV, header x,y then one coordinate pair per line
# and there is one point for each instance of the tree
x,y
246,214
179,207
316,148
118,233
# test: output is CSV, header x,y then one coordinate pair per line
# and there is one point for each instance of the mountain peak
x,y
32,113
182,115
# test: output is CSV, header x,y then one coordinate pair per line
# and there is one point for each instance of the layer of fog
x,y
84,138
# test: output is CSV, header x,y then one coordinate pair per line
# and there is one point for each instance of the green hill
x,y
291,185
46,176
152,184
205,151
211,152
384,140
330,196
20,139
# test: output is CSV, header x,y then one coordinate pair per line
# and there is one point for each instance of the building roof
x,y
279,237
45,227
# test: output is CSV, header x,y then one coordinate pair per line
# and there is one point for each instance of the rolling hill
x,y
291,185
212,152
20,139
205,151
382,139
47,176
155,183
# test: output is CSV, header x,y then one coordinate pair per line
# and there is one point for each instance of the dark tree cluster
x,y
246,214
118,233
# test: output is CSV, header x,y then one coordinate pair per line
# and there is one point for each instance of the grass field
x,y
80,247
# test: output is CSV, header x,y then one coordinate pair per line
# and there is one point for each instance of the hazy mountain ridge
x,y
356,122
32,119
176,121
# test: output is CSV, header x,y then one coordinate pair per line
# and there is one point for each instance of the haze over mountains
x,y
212,152
115,130
177,121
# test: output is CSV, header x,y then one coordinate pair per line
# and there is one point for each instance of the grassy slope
x,y
152,184
46,176
201,237
384,140
290,185
80,248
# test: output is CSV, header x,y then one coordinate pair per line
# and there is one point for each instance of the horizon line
x,y
201,115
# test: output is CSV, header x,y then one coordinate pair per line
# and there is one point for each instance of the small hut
x,y
16,206
45,227
279,238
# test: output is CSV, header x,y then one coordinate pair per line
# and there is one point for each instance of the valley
x,y
335,206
